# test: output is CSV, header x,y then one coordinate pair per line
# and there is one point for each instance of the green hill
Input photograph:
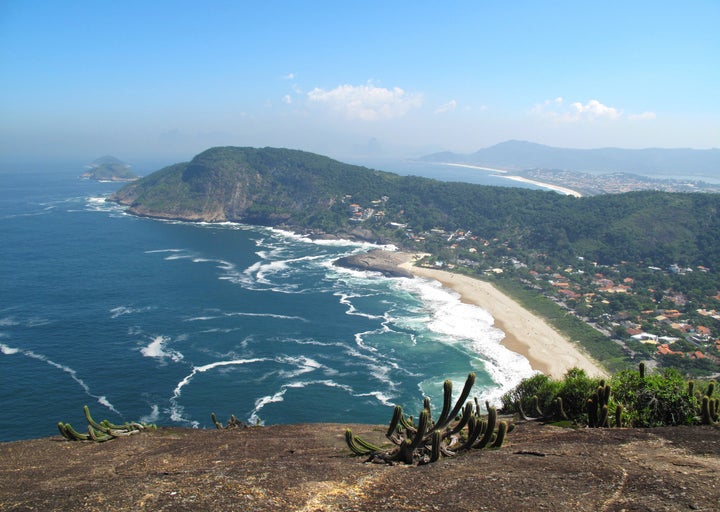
x,y
304,191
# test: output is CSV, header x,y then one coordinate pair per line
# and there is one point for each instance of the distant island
x,y
109,168
633,276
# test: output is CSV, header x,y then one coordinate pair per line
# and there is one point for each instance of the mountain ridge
x,y
521,155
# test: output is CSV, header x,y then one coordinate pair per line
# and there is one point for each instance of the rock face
x,y
309,467
381,261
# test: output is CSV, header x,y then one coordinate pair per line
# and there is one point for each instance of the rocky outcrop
x,y
385,262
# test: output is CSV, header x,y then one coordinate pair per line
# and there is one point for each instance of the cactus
x,y
427,441
618,415
559,409
101,432
487,435
500,437
705,417
641,369
710,389
233,422
436,439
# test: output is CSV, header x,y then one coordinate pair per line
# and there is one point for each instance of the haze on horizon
x,y
165,80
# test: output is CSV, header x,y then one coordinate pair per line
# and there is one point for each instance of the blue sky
x,y
166,80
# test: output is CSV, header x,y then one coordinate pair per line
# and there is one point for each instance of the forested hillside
x,y
305,191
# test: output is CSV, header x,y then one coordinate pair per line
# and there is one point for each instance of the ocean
x,y
166,322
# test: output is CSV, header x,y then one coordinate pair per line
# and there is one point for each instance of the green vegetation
x,y
455,431
109,168
103,431
632,277
630,398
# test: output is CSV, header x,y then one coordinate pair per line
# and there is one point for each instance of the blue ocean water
x,y
167,322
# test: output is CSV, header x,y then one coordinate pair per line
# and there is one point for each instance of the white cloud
x,y
287,99
447,107
366,102
289,76
645,116
576,111
593,109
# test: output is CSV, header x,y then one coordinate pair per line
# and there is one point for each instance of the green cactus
x,y
641,369
592,411
436,439
603,417
559,409
100,432
705,417
73,435
427,441
355,447
500,437
488,433
618,415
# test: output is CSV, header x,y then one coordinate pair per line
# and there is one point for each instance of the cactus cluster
x,y
556,412
233,422
597,406
457,429
103,431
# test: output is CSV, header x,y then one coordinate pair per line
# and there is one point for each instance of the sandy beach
x,y
556,188
503,174
525,333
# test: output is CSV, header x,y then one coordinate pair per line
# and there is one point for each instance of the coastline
x,y
504,174
547,350
556,188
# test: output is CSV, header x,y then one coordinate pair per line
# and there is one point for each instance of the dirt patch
x,y
308,468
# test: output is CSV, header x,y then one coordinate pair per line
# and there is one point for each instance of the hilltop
x,y
308,468
109,168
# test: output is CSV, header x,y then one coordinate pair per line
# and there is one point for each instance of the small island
x,y
109,168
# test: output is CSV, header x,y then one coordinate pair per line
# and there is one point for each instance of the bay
x,y
167,322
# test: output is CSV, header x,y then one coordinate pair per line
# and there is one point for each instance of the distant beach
x,y
557,188
504,174
525,333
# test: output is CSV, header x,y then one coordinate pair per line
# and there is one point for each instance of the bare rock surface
x,y
309,468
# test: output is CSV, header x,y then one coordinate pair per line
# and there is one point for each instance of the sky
x,y
165,80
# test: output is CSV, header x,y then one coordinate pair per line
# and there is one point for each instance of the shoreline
x,y
556,188
501,173
527,334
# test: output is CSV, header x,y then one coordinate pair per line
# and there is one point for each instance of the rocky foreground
x,y
308,468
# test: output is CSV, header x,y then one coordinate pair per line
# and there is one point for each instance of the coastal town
x,y
664,317
587,184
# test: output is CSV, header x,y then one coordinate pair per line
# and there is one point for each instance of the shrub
x,y
539,385
657,399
